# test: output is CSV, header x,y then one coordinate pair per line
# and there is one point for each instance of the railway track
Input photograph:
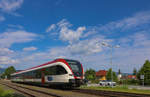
x,y
90,93
110,93
29,92
44,91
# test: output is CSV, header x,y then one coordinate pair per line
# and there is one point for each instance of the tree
x,y
90,74
109,75
145,70
8,71
134,71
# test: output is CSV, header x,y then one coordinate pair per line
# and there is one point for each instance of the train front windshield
x,y
76,67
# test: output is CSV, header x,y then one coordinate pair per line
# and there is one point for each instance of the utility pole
x,y
111,65
111,51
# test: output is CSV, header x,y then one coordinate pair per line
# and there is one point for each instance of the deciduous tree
x,y
9,71
90,74
145,70
109,75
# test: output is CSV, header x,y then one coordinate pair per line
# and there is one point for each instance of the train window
x,y
55,70
33,73
50,70
61,70
74,67
20,76
38,73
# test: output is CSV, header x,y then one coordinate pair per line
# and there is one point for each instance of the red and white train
x,y
60,72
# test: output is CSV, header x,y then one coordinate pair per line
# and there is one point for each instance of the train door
x,y
43,76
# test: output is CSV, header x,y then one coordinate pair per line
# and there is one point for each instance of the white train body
x,y
57,72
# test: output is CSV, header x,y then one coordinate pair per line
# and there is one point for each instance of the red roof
x,y
101,73
132,76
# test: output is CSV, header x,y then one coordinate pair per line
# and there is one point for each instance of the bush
x,y
129,81
90,74
95,81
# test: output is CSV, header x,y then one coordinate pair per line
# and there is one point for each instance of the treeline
x,y
90,75
8,72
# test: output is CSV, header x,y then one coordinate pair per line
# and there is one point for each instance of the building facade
x,y
101,75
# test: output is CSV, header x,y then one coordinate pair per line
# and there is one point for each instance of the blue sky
x,y
33,32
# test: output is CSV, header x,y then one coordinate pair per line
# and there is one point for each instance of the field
x,y
118,89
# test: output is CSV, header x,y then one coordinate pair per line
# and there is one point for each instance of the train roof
x,y
56,60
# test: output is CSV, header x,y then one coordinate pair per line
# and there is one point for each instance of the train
x,y
59,72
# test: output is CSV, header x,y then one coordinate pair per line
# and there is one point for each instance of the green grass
x,y
5,93
117,88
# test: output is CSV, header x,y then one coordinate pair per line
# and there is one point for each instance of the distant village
x,y
101,75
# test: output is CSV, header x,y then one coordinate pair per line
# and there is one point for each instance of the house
x,y
128,76
101,74
131,76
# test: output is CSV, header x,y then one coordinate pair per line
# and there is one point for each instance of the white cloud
x,y
65,33
9,38
36,56
30,48
10,5
15,26
5,51
64,23
86,47
141,39
138,20
90,31
82,48
2,18
51,27
71,35
7,60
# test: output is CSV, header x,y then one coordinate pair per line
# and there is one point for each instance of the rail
x,y
29,91
100,93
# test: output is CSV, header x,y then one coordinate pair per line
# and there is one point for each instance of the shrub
x,y
129,81
95,81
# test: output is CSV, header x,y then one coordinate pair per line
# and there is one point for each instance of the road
x,y
129,86
139,87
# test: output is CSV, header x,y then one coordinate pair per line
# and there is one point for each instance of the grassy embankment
x,y
118,89
5,93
